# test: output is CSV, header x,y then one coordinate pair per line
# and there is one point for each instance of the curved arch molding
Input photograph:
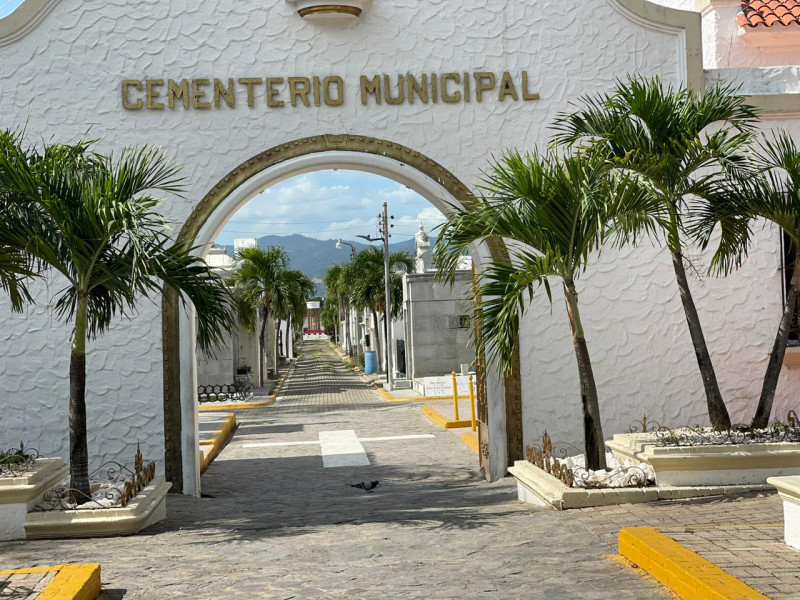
x,y
235,178
24,20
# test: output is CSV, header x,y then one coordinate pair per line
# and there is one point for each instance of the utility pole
x,y
383,229
388,302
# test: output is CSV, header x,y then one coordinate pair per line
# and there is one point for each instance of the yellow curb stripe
x,y
241,406
72,582
687,573
442,421
221,437
470,439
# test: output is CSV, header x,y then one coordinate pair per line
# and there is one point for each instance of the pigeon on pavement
x,y
366,485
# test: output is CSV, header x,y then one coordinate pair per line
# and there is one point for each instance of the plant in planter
x,y
559,210
92,219
661,138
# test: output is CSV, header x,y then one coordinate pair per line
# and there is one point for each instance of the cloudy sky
x,y
331,205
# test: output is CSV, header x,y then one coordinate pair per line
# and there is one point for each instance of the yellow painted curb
x,y
72,582
470,439
241,406
217,443
686,573
442,421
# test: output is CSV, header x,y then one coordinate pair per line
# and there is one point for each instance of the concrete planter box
x,y
534,486
18,494
742,464
146,508
789,491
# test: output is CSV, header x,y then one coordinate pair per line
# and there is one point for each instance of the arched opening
x,y
380,157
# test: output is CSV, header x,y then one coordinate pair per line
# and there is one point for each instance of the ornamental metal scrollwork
x,y
740,434
239,391
124,483
17,461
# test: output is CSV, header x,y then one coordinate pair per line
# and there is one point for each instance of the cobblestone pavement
x,y
24,586
273,523
743,536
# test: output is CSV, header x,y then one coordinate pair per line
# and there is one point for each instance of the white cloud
x,y
330,205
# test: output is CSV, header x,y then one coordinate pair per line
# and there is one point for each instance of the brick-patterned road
x,y
320,381
274,523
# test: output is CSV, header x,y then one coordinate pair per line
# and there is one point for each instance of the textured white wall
x,y
63,78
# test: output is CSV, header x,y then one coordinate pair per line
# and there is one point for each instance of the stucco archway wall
x,y
179,434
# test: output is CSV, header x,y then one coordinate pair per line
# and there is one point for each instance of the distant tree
x,y
290,302
258,280
92,220
367,284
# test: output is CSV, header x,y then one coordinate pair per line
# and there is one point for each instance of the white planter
x,y
742,464
534,486
146,508
18,494
789,491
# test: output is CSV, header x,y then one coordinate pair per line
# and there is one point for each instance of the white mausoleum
x,y
246,94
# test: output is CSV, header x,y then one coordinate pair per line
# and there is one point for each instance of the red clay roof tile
x,y
767,13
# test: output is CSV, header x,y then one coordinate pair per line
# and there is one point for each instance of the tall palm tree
x,y
93,220
773,194
257,280
333,289
367,284
559,211
663,137
290,302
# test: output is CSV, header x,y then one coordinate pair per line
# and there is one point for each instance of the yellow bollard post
x,y
455,395
472,403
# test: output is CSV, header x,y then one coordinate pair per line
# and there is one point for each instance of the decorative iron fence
x,y
699,435
113,486
241,389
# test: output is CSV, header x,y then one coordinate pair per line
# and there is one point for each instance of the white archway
x,y
377,164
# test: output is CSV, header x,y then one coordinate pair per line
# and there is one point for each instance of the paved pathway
x,y
275,523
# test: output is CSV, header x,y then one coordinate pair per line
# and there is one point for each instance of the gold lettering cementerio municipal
x,y
273,91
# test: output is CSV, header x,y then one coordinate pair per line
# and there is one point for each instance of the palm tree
x,y
92,220
558,210
773,195
367,284
257,281
662,137
290,301
333,280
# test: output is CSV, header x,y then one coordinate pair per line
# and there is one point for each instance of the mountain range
x,y
313,256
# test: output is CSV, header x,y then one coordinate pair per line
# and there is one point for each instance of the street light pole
x,y
383,222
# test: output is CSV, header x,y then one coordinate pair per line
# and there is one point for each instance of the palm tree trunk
x,y
717,411
78,446
592,426
775,364
263,347
348,340
377,334
286,340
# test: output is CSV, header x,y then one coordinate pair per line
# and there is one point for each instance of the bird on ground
x,y
366,485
